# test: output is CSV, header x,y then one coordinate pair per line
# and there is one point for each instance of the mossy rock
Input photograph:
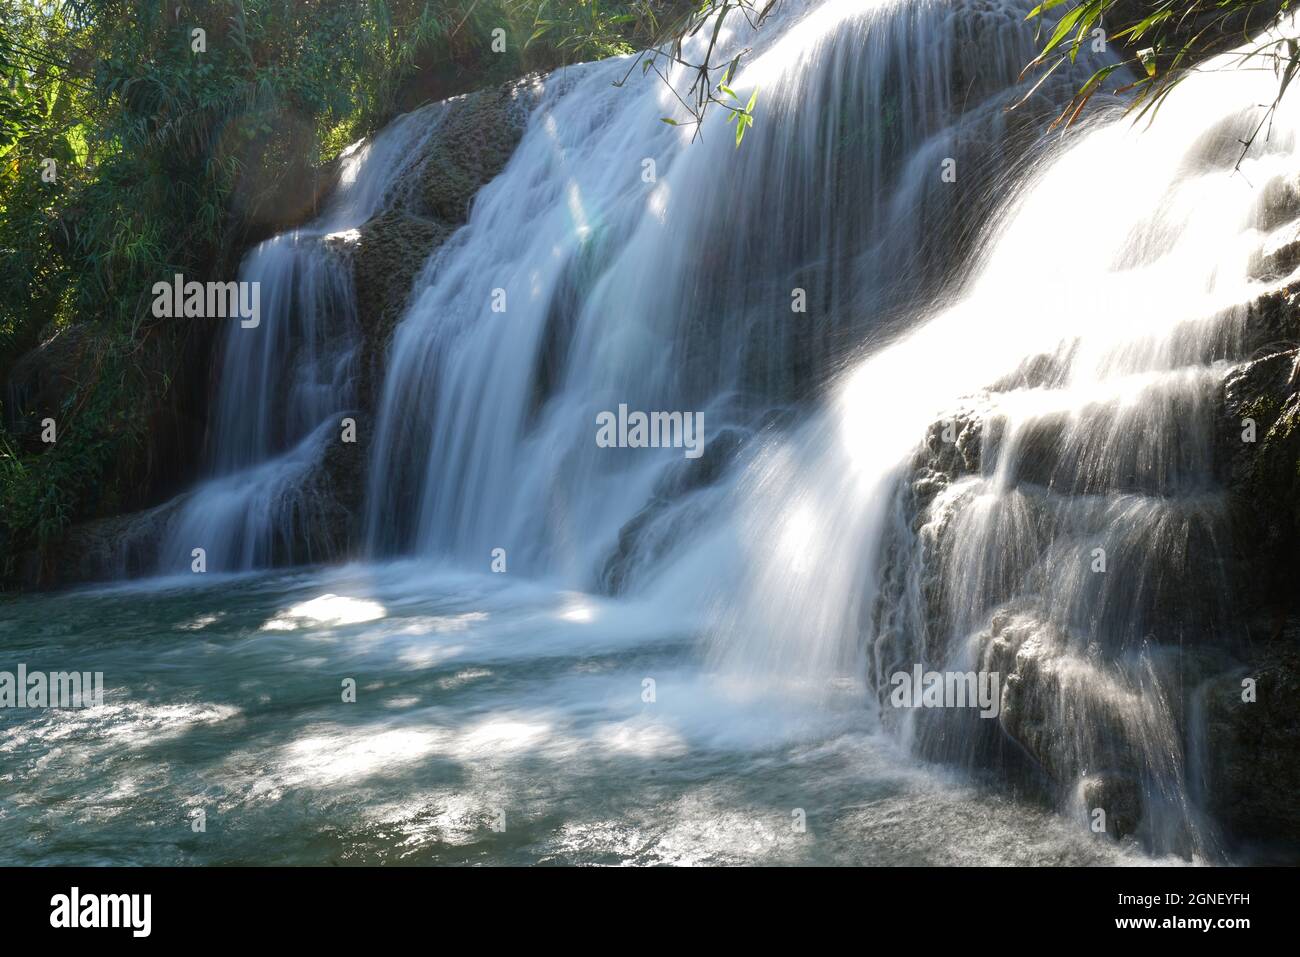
x,y
477,137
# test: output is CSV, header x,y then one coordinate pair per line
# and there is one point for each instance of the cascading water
x,y
986,443
1073,539
638,268
286,382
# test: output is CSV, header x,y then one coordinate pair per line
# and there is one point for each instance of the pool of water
x,y
494,723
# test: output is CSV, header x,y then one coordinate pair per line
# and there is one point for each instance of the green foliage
x,y
1166,39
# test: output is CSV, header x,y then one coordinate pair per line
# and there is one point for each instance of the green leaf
x,y
1043,8
1063,28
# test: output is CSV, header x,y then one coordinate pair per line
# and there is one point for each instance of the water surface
x,y
478,700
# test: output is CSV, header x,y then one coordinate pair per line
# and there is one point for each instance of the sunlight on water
x,y
528,715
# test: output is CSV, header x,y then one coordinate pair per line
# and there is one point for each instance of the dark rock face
x,y
1252,770
477,138
1258,448
392,249
337,487
1117,795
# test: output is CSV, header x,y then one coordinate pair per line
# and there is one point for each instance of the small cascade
x,y
286,383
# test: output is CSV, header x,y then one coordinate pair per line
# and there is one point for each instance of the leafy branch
x,y
709,77
1165,45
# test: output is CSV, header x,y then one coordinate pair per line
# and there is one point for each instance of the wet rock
x,y
338,485
1253,775
388,254
1261,401
1057,701
1036,372
953,445
1278,203
671,511
690,474
1279,256
1271,324
476,139
1117,794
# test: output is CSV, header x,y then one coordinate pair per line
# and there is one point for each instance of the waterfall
x,y
958,423
286,383
616,262
1025,483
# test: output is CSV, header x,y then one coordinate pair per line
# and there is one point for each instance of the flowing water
x,y
478,704
687,659
286,383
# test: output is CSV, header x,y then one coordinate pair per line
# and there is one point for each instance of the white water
x,y
286,384
1124,254
477,696
1130,258
676,294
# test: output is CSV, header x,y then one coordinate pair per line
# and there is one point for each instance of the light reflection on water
x,y
477,703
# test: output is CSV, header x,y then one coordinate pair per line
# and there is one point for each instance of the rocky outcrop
x,y
1258,448
389,254
1108,728
336,487
1252,732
